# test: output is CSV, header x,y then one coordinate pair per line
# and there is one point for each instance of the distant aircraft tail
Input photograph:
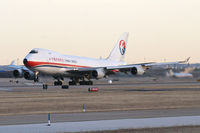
x,y
118,52
12,63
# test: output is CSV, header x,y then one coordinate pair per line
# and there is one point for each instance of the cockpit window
x,y
33,52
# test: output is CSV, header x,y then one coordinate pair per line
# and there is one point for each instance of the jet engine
x,y
137,70
98,73
18,73
29,75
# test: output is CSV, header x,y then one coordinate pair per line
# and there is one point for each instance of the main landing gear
x,y
86,83
45,86
58,83
76,81
81,83
65,86
73,82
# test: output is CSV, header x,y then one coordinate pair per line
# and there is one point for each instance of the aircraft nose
x,y
25,61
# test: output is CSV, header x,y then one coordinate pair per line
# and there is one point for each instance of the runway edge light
x,y
83,107
49,119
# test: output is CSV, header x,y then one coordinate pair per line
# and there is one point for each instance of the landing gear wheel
x,y
90,83
82,82
65,87
72,83
45,86
86,83
57,83
36,77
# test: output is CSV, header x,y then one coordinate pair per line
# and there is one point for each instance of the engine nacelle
x,y
29,75
18,73
99,73
137,70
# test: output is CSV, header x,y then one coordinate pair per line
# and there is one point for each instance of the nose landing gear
x,y
36,77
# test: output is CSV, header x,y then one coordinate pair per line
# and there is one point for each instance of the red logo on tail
x,y
122,47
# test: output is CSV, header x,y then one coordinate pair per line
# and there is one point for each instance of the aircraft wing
x,y
12,70
147,65
168,63
135,69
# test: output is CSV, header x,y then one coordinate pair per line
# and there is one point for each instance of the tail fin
x,y
118,52
12,63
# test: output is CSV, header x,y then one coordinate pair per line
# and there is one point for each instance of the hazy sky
x,y
159,29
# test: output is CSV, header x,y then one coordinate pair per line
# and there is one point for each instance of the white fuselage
x,y
50,62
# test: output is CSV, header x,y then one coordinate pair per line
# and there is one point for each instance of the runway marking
x,y
104,125
5,89
31,84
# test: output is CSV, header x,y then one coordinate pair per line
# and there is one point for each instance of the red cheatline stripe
x,y
36,63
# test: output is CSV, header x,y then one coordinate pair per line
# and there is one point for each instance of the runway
x,y
96,116
125,84
144,99
102,125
